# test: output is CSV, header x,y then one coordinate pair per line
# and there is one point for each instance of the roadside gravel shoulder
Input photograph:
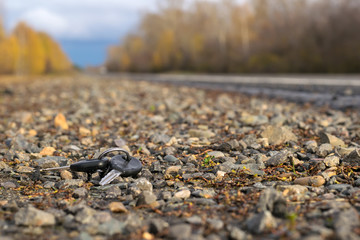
x,y
216,165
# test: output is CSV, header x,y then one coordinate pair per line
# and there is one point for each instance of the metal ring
x,y
114,150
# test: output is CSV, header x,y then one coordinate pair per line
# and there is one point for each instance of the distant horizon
x,y
86,53
84,28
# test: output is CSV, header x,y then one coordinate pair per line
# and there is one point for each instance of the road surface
x,y
338,91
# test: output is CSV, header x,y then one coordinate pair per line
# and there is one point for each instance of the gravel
x,y
215,165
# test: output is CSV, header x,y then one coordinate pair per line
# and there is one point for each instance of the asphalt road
x,y
337,91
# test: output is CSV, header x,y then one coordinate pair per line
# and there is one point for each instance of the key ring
x,y
128,158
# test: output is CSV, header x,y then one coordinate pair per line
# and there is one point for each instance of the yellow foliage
x,y
29,52
32,53
2,30
156,61
136,45
56,60
9,54
125,61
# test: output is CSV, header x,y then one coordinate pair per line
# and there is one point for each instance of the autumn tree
x,y
251,36
55,59
26,51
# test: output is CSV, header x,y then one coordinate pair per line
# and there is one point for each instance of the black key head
x,y
125,167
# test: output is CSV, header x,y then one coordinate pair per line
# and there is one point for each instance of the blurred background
x,y
210,36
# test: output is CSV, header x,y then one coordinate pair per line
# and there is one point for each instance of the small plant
x,y
152,108
292,219
208,162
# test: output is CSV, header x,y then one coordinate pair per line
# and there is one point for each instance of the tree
x,y
9,55
32,58
55,59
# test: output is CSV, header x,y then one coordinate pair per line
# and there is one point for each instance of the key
x,y
89,166
109,177
121,167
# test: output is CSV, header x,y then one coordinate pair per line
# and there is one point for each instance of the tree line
x,y
272,36
25,51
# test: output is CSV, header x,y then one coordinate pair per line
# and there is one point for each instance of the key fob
x,y
89,166
126,168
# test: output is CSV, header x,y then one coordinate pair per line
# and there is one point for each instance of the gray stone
x,y
143,184
112,227
201,133
48,184
357,182
332,161
353,158
159,138
102,216
30,216
84,214
311,146
237,234
278,159
259,185
339,187
3,165
234,144
215,224
8,185
226,147
343,152
213,236
19,143
324,150
23,157
209,176
47,163
254,120
194,220
202,201
146,198
205,193
278,120
113,192
166,195
155,167
216,154
133,222
169,150
157,225
24,169
277,135
344,224
180,231
261,222
171,159
182,194
80,193
328,138
70,183
250,169
297,190
84,236
273,201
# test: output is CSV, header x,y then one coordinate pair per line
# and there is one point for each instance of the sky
x,y
84,28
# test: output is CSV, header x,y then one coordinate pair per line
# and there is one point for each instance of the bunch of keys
x,y
109,169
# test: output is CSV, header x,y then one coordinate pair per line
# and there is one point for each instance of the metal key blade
x,y
54,168
109,177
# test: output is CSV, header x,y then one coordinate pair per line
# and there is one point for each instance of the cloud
x,y
45,20
80,19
